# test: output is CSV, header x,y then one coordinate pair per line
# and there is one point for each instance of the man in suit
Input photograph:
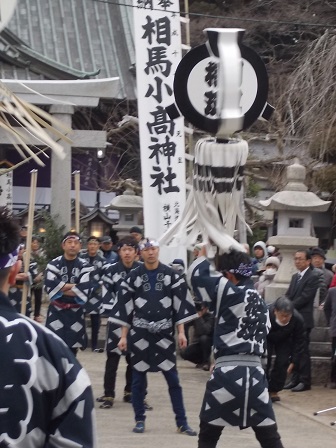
x,y
302,291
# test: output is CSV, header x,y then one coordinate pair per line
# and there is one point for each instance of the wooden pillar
x,y
61,172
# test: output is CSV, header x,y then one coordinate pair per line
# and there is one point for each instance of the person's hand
x,y
38,278
182,340
22,276
122,344
290,367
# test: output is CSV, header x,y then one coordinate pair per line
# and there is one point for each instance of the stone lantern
x,y
294,206
129,206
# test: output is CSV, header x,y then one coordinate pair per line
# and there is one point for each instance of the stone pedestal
x,y
294,206
287,249
129,206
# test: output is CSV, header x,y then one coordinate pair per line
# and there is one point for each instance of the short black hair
x,y
93,238
128,241
199,306
232,261
9,232
135,229
284,304
307,253
69,234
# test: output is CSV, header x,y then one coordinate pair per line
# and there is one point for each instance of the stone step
x,y
319,318
320,370
320,348
320,334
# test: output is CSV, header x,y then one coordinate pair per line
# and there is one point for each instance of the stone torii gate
x,y
62,97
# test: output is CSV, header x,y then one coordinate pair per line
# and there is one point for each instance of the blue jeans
x,y
139,383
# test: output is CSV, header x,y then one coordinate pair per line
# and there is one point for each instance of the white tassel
x,y
213,205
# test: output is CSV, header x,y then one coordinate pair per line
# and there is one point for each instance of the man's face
x,y
300,261
150,255
317,261
35,245
106,246
92,247
136,236
21,252
23,232
71,247
127,255
283,317
195,252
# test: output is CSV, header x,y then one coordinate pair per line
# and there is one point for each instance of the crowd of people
x,y
215,311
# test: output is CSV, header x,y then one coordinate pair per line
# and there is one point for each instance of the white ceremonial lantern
x,y
220,87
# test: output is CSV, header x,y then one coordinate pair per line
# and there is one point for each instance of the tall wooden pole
x,y
30,224
77,200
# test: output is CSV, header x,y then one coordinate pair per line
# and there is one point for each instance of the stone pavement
x,y
298,427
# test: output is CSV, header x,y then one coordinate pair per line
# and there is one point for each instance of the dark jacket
x,y
292,334
203,325
330,310
303,293
327,277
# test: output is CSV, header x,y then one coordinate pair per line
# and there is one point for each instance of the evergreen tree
x,y
52,239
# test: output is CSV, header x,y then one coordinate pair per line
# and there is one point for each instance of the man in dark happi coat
x,y
22,277
236,393
151,302
93,306
113,275
45,395
68,284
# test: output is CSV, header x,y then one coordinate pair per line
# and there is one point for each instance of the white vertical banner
x,y
6,189
158,52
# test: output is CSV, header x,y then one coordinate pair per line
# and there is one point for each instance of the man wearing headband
x,y
236,393
113,275
93,306
68,284
36,377
151,301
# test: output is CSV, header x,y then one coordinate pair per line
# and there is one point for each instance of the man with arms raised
x,y
236,393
